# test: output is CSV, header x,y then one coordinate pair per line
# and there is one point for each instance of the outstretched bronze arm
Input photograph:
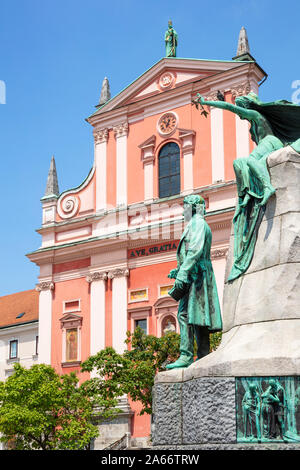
x,y
244,113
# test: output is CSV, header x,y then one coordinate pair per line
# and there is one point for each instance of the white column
x,y
45,321
147,157
119,308
121,132
187,138
242,137
148,181
101,138
217,144
97,311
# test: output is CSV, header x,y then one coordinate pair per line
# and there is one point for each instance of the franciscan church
x,y
108,245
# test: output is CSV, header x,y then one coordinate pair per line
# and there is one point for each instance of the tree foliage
x,y
41,410
132,373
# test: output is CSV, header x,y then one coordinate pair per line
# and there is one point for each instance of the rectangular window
x,y
142,323
13,349
71,344
138,295
163,290
36,345
71,306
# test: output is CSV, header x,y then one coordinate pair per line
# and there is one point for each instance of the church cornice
x,y
110,242
222,71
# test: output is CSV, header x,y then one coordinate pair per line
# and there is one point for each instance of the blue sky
x,y
54,55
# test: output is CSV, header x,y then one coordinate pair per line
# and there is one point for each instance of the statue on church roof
x,y
171,41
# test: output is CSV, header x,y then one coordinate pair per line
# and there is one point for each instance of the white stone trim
x,y
217,144
97,317
73,310
139,314
121,132
164,106
160,321
137,290
71,202
148,182
159,296
101,170
119,313
188,142
242,137
147,157
45,326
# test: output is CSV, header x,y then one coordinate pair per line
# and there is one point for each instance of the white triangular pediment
x,y
168,73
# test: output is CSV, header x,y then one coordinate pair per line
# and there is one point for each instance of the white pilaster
x,y
121,132
147,157
217,144
97,296
45,321
101,138
242,137
242,125
187,138
119,308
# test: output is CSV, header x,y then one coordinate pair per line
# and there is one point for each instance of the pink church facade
x,y
109,244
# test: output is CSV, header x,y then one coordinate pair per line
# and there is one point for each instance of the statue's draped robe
x,y
195,269
171,43
284,120
250,406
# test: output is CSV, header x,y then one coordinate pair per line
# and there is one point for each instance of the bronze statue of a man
x,y
171,39
195,286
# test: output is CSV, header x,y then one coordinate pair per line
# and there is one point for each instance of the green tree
x,y
215,340
40,409
133,372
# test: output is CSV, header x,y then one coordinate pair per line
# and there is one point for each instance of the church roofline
x,y
169,61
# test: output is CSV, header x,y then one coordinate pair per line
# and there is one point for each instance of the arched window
x,y
169,170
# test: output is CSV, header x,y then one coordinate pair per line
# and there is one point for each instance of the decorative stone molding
x,y
68,207
166,81
219,253
121,130
49,285
97,276
147,148
101,136
70,320
213,96
120,272
187,138
241,89
165,305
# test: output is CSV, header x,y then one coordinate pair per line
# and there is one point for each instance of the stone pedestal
x,y
198,406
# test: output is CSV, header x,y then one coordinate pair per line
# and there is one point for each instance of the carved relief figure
x,y
251,413
273,407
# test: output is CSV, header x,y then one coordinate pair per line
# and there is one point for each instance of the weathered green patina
x,y
273,125
195,285
268,409
171,41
